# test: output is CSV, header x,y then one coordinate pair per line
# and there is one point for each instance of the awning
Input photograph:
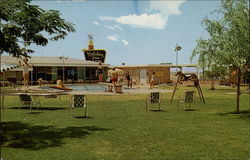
x,y
6,67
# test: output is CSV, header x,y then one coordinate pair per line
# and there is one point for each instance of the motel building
x,y
72,70
141,74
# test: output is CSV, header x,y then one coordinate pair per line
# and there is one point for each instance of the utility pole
x,y
177,49
63,59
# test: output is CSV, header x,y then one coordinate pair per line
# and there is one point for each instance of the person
x,y
59,82
100,72
114,78
25,67
110,87
129,84
152,80
40,81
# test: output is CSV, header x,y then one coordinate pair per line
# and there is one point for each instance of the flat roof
x,y
53,61
156,65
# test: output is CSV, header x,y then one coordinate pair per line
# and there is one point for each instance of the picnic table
x,y
37,94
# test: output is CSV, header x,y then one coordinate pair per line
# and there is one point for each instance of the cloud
x,y
116,38
79,0
118,27
113,37
156,16
96,23
166,8
105,18
109,27
124,42
155,21
114,27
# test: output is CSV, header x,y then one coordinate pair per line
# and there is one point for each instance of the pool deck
x,y
125,91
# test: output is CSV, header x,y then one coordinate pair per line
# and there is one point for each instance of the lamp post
x,y
63,59
176,49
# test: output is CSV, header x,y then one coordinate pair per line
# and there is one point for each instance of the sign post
x,y
177,48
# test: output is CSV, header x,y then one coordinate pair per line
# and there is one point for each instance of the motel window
x,y
81,73
48,73
40,73
91,73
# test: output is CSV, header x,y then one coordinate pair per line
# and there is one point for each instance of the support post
x,y
31,77
198,73
200,93
181,69
174,89
2,92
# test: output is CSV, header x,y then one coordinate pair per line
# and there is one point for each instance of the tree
x,y
228,41
204,50
22,24
201,49
215,72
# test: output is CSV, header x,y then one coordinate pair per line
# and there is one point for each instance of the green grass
x,y
119,128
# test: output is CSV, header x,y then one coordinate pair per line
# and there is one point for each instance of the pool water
x,y
85,87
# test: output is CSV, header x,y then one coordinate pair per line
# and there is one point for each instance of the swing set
x,y
193,77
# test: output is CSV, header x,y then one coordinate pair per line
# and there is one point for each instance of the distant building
x,y
141,74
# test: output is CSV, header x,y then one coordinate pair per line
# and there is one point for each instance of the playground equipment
x,y
193,77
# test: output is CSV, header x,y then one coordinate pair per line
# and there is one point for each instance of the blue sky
x,y
132,31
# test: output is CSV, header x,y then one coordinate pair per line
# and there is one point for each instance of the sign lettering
x,y
95,55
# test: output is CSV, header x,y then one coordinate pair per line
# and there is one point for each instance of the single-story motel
x,y
75,70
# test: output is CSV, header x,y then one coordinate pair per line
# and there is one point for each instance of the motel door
x,y
143,76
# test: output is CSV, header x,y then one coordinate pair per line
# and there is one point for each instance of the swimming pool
x,y
83,87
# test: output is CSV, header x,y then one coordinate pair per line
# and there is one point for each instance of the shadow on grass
x,y
243,114
16,134
42,108
83,117
190,109
34,112
156,110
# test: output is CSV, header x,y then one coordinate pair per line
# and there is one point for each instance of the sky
x,y
131,31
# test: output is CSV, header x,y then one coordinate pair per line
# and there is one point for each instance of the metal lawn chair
x,y
188,99
79,100
153,97
27,101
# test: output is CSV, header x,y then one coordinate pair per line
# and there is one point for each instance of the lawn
x,y
119,128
